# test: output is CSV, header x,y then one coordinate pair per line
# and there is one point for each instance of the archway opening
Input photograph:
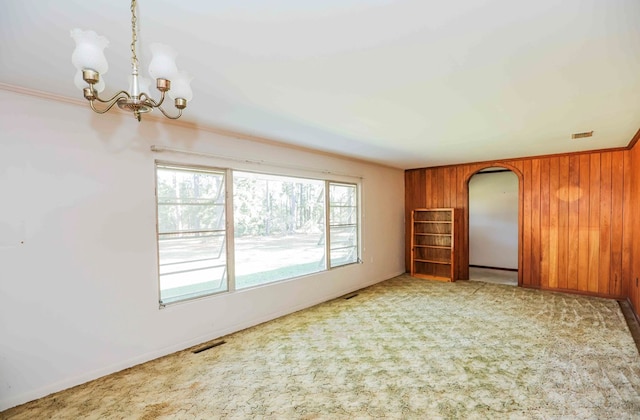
x,y
494,201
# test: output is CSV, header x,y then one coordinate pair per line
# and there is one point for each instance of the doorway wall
x,y
493,219
571,217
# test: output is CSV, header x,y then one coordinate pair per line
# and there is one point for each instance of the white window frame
x,y
229,221
357,224
203,169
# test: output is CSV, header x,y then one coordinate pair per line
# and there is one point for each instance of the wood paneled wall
x,y
575,215
634,213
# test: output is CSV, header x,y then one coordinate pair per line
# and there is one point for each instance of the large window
x,y
191,232
283,227
279,227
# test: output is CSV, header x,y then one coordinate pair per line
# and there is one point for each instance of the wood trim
x,y
493,268
634,310
576,292
633,228
496,171
500,162
631,317
634,140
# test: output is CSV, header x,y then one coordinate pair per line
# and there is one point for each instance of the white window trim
x,y
327,177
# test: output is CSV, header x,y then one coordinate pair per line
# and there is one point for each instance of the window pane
x,y
191,233
279,228
344,215
343,221
343,195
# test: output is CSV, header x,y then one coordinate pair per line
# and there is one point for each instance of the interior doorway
x,y
494,226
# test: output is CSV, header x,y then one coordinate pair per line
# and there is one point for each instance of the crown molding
x,y
40,94
193,125
634,140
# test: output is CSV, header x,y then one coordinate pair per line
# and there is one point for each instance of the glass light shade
x,y
163,62
181,87
81,84
79,81
99,87
89,52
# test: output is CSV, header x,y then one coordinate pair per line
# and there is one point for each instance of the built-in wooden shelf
x,y
432,245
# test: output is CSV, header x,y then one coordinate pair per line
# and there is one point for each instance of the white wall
x,y
493,220
78,269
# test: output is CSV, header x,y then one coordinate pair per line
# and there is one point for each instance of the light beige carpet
x,y
405,348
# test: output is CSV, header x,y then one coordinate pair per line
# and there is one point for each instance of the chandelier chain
x,y
134,34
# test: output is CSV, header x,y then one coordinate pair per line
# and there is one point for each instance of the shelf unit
x,y
432,244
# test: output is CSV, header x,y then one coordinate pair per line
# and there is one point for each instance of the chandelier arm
x,y
114,98
102,111
149,100
162,95
171,117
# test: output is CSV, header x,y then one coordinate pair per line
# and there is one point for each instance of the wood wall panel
x,y
627,231
535,223
463,224
633,217
605,224
545,237
617,198
554,184
577,228
563,222
573,195
526,225
415,193
594,223
583,223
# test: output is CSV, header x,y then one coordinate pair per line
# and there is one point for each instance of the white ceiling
x,y
403,83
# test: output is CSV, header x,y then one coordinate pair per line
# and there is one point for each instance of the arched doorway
x,y
493,224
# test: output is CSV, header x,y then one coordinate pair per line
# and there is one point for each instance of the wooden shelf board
x,y
434,209
430,277
432,234
432,246
448,222
432,261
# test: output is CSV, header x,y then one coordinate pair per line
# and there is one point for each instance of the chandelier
x,y
91,64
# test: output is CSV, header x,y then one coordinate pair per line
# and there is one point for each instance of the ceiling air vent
x,y
582,135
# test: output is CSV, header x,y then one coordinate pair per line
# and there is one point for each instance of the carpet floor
x,y
404,348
